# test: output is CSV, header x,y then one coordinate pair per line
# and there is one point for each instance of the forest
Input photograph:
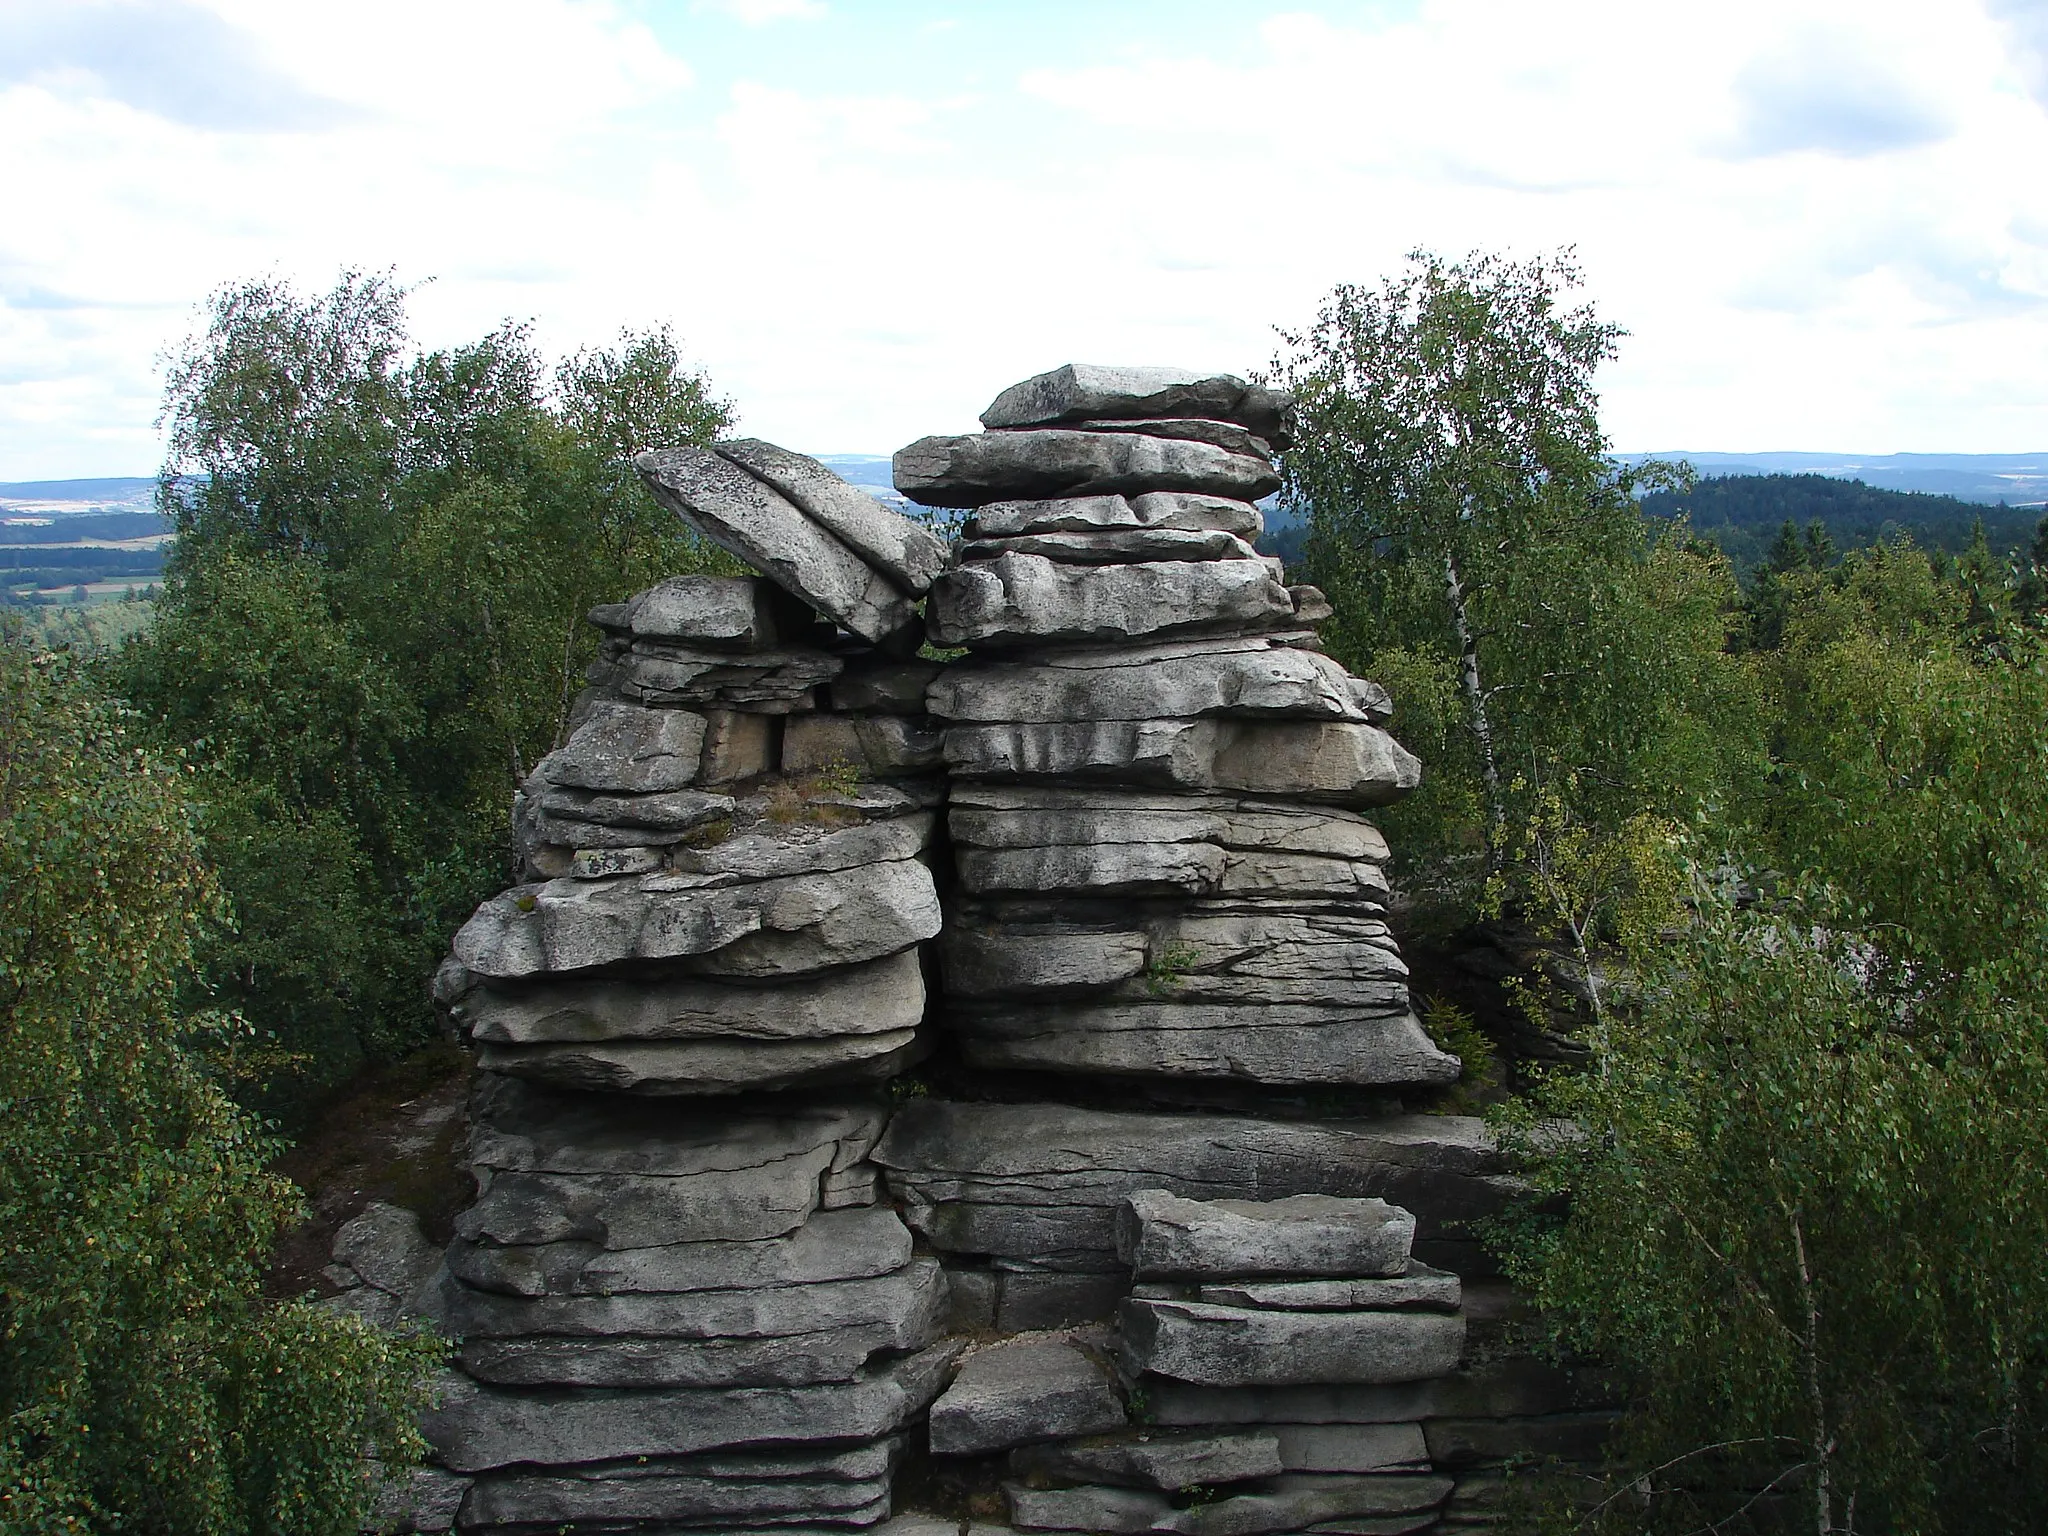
x,y
1775,817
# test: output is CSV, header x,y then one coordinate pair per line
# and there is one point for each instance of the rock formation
x,y
1110,867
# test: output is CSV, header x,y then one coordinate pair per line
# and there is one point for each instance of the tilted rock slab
x,y
752,520
999,466
908,553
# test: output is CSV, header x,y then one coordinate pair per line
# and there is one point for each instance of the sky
x,y
1824,224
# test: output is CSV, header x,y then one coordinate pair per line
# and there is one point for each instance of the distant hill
x,y
2014,478
70,497
1743,513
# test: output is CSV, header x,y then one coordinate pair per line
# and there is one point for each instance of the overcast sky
x,y
1825,224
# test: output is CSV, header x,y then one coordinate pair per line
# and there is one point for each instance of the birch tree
x,y
1487,558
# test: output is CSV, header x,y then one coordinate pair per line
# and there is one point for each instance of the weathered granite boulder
x,y
998,466
1165,1237
876,996
1022,1391
1080,391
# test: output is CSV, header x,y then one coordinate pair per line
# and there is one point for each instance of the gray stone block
x,y
1041,1182
1344,762
624,749
775,927
1015,601
1186,511
1432,1290
739,744
1168,1460
1254,680
905,1298
695,1068
849,1244
1084,391
1019,1391
1352,1447
1115,546
1242,1346
475,1428
774,682
739,613
1284,1043
1165,1236
1227,435
874,997
983,467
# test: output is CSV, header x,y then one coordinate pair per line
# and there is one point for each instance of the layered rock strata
x,y
1159,782
719,1277
678,1300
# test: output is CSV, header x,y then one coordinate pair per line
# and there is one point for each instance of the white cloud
x,y
759,13
1808,253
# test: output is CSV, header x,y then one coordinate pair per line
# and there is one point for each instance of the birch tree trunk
x,y
1475,706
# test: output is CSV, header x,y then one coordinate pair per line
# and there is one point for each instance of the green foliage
x,y
1489,563
1807,1199
145,1384
1809,1190
373,628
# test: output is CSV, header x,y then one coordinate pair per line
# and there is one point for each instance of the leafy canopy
x,y
144,1382
373,625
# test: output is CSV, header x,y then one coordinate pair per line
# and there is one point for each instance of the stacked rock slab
x,y
1165,869
679,1302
